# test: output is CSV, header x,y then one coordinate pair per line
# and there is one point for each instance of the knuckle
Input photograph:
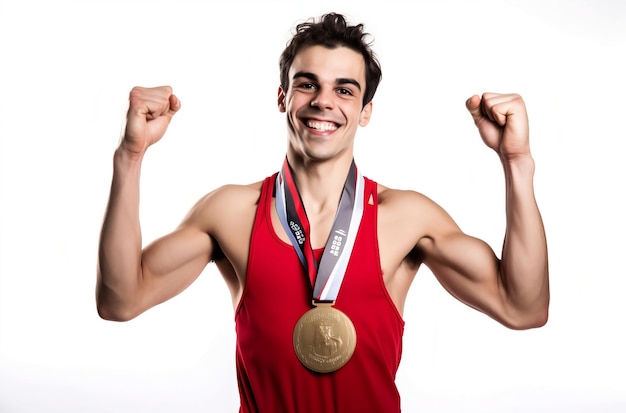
x,y
135,91
136,95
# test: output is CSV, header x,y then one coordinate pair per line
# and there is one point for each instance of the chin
x,y
317,157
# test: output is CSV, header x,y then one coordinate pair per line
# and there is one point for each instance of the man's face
x,y
324,101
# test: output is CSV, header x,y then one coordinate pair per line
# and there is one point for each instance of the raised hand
x,y
149,114
502,122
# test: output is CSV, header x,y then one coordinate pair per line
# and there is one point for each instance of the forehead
x,y
329,64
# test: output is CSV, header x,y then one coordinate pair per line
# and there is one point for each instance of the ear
x,y
366,114
281,100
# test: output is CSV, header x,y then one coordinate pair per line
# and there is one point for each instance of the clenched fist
x,y
502,122
149,114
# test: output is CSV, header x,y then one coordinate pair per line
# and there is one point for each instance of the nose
x,y
323,100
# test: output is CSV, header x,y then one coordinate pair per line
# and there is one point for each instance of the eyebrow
x,y
338,81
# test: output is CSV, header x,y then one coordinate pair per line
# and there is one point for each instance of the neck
x,y
320,183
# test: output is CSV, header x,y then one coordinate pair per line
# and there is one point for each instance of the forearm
x,y
119,266
524,266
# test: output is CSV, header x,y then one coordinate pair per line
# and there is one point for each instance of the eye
x,y
307,85
344,91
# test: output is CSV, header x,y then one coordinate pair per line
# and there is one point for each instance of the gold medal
x,y
324,338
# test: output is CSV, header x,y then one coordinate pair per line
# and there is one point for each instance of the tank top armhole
x,y
266,192
372,192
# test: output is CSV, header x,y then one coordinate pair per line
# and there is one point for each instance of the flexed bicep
x,y
171,263
468,269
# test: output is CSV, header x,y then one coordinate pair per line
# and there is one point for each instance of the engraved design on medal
x,y
324,339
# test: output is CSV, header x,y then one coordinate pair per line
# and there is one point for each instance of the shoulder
x,y
393,196
405,201
225,203
234,193
412,210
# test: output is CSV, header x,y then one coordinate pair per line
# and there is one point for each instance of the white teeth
x,y
321,126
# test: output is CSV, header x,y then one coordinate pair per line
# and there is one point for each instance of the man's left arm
x,y
515,289
502,122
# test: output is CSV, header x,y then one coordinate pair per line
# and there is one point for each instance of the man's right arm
x,y
130,279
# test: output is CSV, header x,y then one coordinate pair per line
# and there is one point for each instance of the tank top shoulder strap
x,y
265,201
371,192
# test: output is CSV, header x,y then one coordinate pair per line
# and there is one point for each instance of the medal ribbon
x,y
327,275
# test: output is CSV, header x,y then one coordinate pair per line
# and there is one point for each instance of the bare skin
x,y
324,109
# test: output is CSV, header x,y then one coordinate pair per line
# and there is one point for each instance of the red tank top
x,y
277,293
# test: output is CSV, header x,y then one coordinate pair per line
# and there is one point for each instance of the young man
x,y
319,259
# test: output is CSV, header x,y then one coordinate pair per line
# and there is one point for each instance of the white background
x,y
66,70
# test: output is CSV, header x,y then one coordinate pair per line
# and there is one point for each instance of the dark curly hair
x,y
332,31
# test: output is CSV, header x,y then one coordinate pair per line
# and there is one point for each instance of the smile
x,y
321,125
